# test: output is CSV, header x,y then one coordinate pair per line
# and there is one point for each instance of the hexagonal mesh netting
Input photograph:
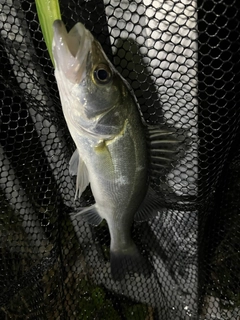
x,y
181,59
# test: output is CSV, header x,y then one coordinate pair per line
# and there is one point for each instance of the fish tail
x,y
128,261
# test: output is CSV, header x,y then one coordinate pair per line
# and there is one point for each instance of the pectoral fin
x,y
77,167
90,215
105,162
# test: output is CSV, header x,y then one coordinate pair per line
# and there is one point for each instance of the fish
x,y
114,146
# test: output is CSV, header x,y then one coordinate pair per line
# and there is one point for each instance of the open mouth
x,y
70,50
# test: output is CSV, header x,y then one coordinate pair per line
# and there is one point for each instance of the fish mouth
x,y
71,49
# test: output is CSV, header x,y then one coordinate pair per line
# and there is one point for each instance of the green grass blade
x,y
48,11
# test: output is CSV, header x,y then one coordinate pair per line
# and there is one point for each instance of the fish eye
x,y
102,74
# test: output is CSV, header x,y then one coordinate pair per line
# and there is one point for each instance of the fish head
x,y
92,92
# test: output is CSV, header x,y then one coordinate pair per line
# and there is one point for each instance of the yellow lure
x,y
48,11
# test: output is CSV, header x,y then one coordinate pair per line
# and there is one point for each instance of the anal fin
x,y
90,215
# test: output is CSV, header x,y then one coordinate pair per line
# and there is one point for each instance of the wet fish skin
x,y
106,126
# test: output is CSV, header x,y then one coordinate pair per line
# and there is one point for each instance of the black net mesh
x,y
181,58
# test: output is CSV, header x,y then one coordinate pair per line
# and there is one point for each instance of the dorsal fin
x,y
165,146
150,207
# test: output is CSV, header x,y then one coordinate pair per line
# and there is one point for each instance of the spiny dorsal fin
x,y
165,147
78,168
90,215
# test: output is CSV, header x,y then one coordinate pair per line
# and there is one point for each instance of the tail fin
x,y
128,261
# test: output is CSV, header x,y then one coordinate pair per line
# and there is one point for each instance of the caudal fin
x,y
128,261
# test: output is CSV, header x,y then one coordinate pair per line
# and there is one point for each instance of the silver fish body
x,y
115,149
105,124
